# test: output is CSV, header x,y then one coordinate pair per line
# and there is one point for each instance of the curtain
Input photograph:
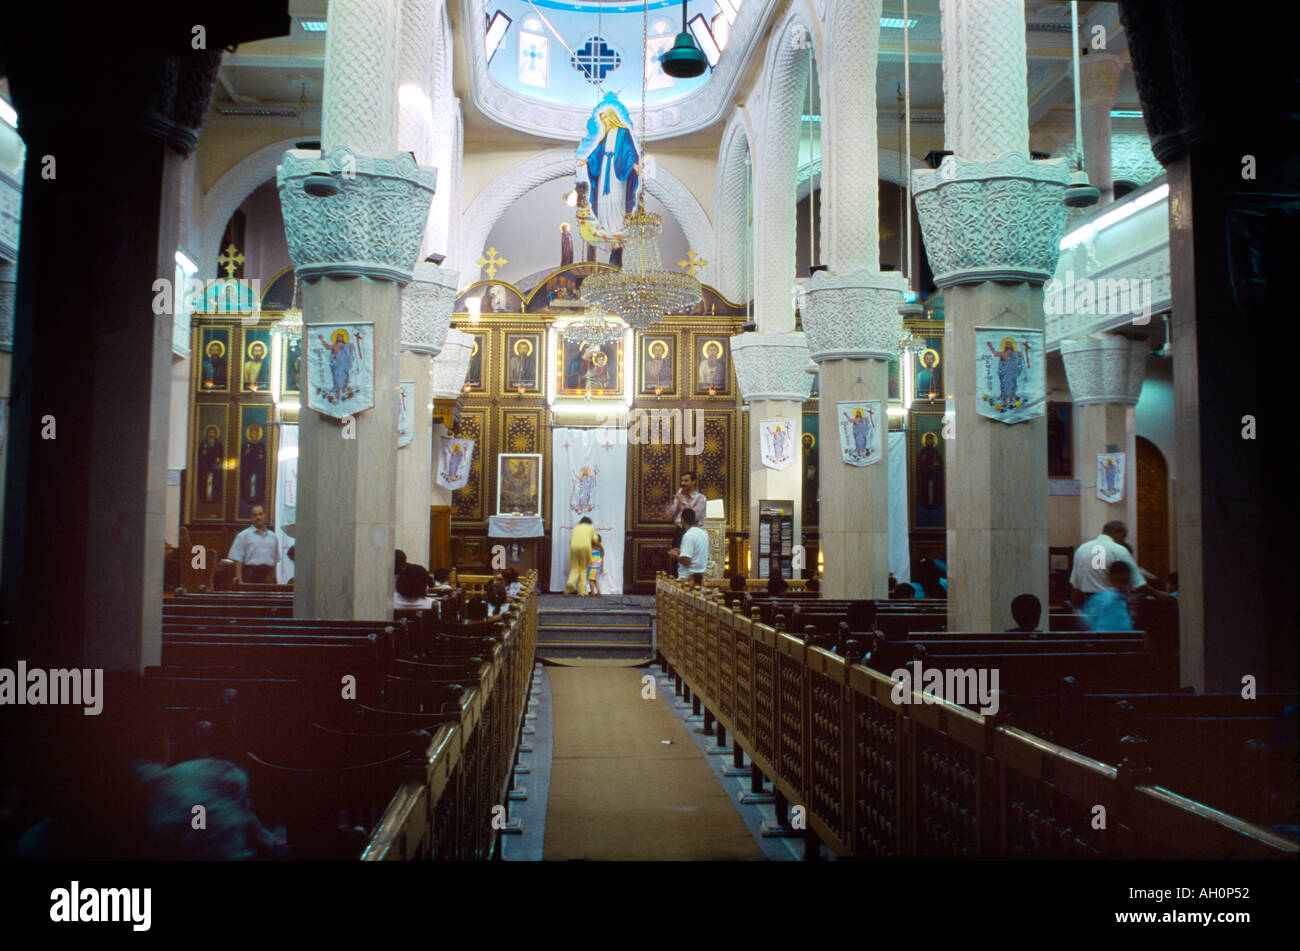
x,y
286,497
900,563
589,477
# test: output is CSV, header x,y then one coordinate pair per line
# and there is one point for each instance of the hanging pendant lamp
x,y
1080,193
685,60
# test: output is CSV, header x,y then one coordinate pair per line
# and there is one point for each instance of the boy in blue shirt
x,y
1107,610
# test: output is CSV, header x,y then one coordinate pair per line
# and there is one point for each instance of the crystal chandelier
x,y
643,291
289,327
595,326
910,343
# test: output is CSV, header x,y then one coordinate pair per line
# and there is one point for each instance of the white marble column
x,y
1105,375
851,319
992,221
772,372
426,316
354,250
1099,75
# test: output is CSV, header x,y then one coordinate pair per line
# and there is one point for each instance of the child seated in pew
x,y
902,592
1027,611
442,581
476,609
776,586
497,601
813,585
1107,610
513,584
412,584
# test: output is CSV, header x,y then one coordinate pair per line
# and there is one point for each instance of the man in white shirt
x,y
256,551
1092,561
693,556
687,497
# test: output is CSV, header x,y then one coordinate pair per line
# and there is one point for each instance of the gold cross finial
x,y
230,259
692,262
492,262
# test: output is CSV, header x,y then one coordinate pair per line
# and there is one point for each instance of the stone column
x,y
1099,82
992,221
8,286
446,378
1105,375
426,316
1232,236
354,250
851,319
772,372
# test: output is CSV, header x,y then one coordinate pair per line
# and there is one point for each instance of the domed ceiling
x,y
541,65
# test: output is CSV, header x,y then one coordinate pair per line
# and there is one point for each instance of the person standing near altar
x,y
580,542
687,497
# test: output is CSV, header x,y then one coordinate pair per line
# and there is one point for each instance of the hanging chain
x,y
645,78
907,139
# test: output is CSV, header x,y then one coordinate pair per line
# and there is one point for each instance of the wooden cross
x,y
692,262
231,259
492,262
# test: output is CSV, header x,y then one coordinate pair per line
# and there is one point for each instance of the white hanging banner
x,y
590,473
405,416
286,499
340,368
1010,374
454,458
861,425
1110,476
776,437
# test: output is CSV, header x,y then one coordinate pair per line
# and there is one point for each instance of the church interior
x,y
807,430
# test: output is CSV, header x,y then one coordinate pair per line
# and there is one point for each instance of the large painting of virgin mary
x,y
585,365
609,166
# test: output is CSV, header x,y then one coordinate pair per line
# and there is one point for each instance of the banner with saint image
x,y
776,437
340,368
861,427
1110,476
405,413
1010,374
454,458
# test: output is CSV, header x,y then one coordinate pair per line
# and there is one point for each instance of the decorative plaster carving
x,y
359,110
426,308
1104,369
854,316
852,235
8,290
1151,264
179,98
776,160
508,187
999,220
371,228
771,366
731,212
555,121
447,374
985,91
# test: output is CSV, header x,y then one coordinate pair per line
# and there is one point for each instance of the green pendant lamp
x,y
685,60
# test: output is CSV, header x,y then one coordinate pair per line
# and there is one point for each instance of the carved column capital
x,y
1000,220
854,316
447,374
371,228
426,308
1104,369
771,366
